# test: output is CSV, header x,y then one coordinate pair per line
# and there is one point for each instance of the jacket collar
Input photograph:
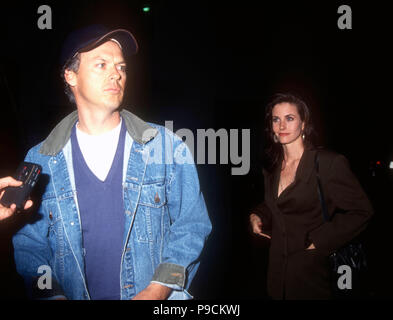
x,y
138,129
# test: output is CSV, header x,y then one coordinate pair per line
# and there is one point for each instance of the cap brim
x,y
124,37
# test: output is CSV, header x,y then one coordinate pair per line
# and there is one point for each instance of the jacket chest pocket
x,y
149,217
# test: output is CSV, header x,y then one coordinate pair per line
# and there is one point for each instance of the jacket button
x,y
128,286
156,198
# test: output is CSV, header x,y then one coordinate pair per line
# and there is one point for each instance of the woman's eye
x,y
275,119
290,118
122,68
101,65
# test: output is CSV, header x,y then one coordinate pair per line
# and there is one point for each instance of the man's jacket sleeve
x,y
32,255
190,223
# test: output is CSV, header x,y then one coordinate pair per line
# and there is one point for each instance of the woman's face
x,y
286,123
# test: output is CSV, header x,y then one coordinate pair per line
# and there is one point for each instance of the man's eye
x,y
101,65
122,68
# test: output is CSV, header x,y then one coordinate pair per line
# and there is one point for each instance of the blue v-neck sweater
x,y
102,217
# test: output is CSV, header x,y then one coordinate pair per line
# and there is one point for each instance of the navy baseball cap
x,y
88,38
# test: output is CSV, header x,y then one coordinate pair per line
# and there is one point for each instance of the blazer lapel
x,y
275,180
306,166
303,173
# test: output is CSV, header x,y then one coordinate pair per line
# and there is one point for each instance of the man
x,y
8,212
113,223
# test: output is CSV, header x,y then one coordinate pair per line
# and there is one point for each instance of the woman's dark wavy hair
x,y
274,151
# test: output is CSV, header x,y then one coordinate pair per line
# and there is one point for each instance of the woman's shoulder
x,y
326,153
327,156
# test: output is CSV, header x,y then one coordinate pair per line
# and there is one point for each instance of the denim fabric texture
x,y
166,219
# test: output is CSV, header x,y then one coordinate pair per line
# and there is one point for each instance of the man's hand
x,y
256,225
4,211
154,291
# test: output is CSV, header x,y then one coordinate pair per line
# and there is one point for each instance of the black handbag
x,y
351,254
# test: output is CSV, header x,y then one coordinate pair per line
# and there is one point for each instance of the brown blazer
x,y
294,220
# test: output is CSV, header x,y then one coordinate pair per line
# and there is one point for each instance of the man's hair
x,y
71,65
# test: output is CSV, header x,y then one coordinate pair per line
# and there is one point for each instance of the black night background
x,y
215,65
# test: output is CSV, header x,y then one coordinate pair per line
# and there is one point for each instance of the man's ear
x,y
70,77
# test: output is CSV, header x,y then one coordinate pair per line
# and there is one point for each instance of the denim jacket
x,y
166,218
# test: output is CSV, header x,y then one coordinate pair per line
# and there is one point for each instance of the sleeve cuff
x,y
170,274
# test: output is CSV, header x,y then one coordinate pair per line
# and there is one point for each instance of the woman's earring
x,y
303,136
275,139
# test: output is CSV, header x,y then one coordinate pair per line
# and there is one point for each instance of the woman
x,y
291,214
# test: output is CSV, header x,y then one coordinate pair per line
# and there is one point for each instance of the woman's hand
x,y
256,225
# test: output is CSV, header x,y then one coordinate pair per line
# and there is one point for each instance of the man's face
x,y
101,78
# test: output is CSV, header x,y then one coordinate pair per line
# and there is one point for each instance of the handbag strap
x,y
325,213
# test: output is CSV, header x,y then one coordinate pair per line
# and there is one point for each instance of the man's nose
x,y
115,74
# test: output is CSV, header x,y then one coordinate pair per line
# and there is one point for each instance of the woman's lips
x,y
283,134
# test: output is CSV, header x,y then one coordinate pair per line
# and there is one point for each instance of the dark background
x,y
215,65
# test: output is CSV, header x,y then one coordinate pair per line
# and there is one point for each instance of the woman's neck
x,y
293,151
